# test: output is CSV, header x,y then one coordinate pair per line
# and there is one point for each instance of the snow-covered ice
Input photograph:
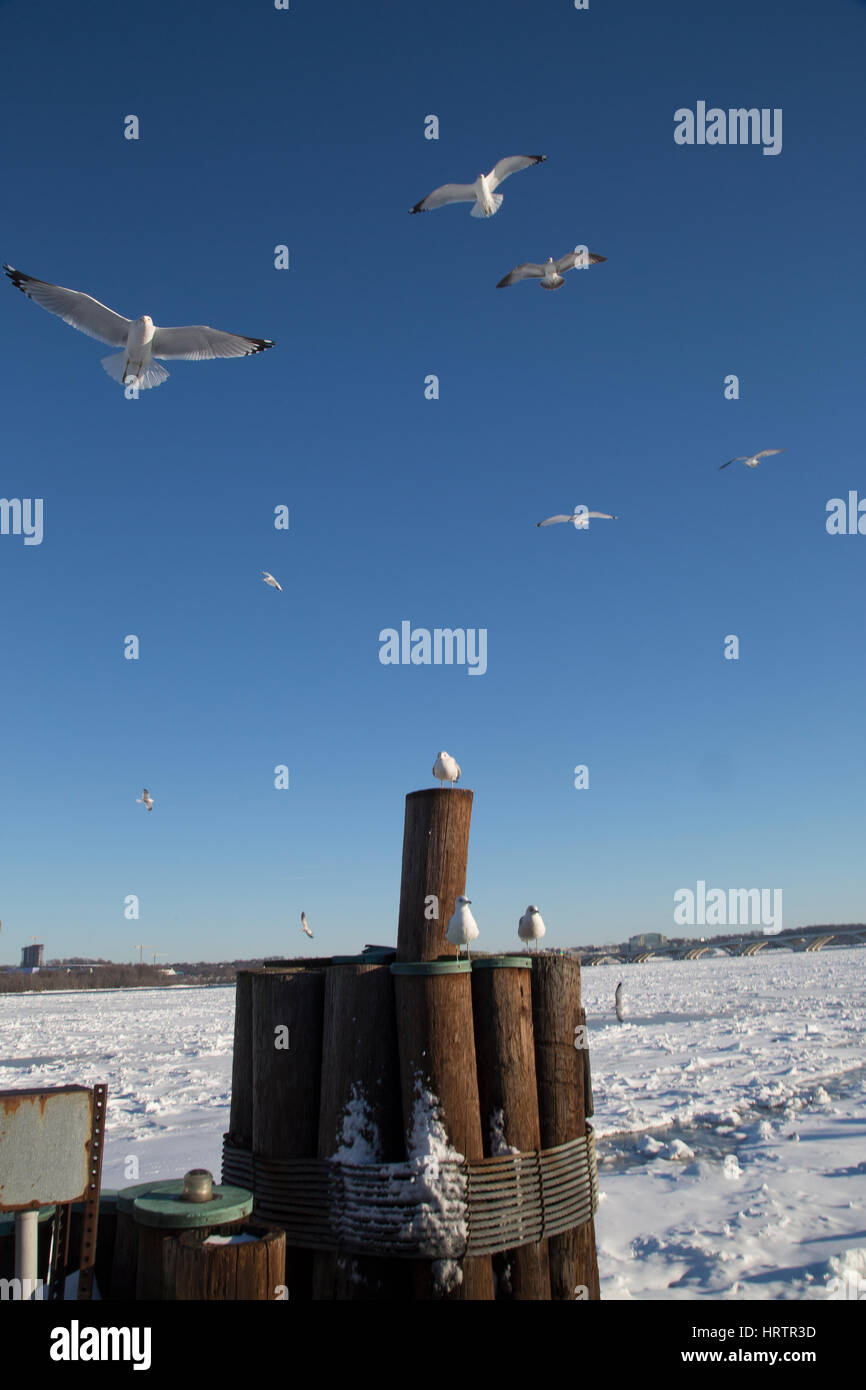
x,y
729,1108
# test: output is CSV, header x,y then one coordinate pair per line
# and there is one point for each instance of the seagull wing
x,y
528,271
448,193
736,460
510,165
581,258
765,453
552,520
197,342
79,310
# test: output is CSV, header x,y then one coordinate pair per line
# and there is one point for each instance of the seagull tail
x,y
155,375
478,211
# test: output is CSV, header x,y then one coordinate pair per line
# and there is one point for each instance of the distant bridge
x,y
742,945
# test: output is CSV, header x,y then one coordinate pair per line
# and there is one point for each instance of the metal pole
x,y
27,1251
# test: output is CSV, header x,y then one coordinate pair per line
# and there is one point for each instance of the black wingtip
x,y
503,284
16,276
416,208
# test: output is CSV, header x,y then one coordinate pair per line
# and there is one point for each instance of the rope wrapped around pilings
x,y
417,1209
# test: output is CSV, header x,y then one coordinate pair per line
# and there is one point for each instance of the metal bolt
x,y
197,1186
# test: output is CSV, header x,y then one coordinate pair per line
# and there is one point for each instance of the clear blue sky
x,y
306,128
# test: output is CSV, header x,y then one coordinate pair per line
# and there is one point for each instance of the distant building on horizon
x,y
649,938
32,957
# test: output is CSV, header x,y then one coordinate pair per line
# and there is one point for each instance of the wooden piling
x,y
435,854
360,1085
502,1007
437,1059
434,1009
287,1008
241,1113
236,1272
556,1013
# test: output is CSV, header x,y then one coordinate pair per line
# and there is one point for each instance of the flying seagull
x,y
146,799
462,928
580,519
751,460
304,926
269,579
530,927
549,275
140,339
445,769
482,191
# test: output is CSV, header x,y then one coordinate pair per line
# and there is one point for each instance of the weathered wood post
x,y
245,1262
241,1113
435,1034
559,1064
287,1018
435,855
360,1112
502,1006
147,1215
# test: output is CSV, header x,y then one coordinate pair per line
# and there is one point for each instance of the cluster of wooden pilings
x,y
497,1044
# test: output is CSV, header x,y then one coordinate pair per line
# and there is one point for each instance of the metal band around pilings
x,y
377,1209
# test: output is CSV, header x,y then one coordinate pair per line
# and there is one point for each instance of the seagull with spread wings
x,y
580,518
751,460
549,275
140,339
146,799
483,191
269,579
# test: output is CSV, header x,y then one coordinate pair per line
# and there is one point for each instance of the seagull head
x,y
463,902
146,321
532,908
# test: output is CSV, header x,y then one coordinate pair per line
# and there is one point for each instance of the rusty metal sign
x,y
45,1142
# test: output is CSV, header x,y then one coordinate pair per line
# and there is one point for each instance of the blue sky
x,y
306,128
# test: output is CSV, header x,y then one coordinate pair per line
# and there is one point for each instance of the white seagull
x,y
751,460
146,799
269,579
140,339
462,927
482,192
618,1004
580,519
304,925
549,275
530,927
446,769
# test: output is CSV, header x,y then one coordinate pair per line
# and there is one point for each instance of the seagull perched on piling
x,y
145,799
269,579
446,769
482,192
580,519
304,925
751,460
531,927
140,339
549,275
462,927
